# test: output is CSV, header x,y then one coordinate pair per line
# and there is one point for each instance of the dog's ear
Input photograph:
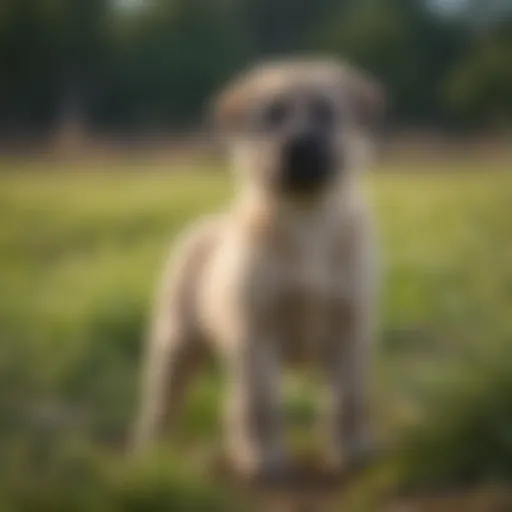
x,y
230,106
367,97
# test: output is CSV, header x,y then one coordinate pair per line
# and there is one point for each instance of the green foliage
x,y
479,86
74,477
152,66
464,435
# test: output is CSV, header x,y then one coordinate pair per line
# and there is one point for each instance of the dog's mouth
x,y
307,164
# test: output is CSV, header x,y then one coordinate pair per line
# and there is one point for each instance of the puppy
x,y
288,273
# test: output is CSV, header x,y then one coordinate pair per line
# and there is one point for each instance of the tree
x,y
478,89
404,45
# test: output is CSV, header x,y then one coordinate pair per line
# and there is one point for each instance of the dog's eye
x,y
322,113
275,114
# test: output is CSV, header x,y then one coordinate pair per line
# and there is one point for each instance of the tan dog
x,y
288,272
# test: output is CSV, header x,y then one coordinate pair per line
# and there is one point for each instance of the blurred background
x,y
105,156
145,67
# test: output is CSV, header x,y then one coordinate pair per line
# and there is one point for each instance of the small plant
x,y
464,435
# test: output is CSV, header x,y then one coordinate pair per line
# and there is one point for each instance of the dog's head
x,y
296,127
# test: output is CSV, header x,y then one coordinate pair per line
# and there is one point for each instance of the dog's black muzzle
x,y
307,163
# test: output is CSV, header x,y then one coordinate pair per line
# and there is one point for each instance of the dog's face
x,y
291,126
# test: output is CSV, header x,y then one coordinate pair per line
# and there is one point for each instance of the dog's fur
x,y
281,276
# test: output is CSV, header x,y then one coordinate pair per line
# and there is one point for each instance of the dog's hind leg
x,y
172,360
175,344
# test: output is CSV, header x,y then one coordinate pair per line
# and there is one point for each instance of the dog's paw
x,y
270,473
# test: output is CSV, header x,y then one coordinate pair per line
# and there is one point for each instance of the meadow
x,y
81,249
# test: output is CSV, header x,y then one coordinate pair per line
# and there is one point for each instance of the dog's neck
x,y
321,215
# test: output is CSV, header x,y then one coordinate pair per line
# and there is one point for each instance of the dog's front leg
x,y
349,381
254,410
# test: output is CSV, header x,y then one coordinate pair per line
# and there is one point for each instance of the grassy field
x,y
80,252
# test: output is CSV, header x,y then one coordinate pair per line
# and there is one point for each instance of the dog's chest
x,y
309,281
307,272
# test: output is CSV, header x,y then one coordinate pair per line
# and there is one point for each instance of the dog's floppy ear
x,y
367,97
230,106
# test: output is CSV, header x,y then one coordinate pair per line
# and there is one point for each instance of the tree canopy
x,y
149,65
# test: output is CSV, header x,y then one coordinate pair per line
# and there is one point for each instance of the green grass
x,y
80,252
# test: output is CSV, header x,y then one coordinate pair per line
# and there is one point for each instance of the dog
x,y
289,273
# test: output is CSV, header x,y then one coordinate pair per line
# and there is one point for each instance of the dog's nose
x,y
306,162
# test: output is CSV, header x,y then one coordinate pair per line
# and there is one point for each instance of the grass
x,y
80,252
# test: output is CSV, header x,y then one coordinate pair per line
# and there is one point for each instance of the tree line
x,y
148,65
